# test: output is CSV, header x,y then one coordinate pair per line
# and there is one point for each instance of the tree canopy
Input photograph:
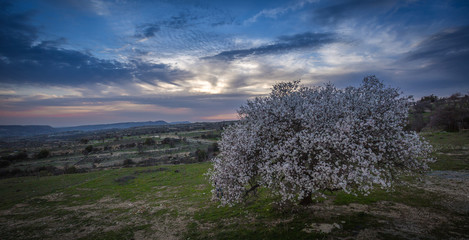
x,y
299,141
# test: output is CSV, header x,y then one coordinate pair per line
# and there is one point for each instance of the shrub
x,y
16,157
128,162
88,149
4,163
201,155
44,153
149,142
70,170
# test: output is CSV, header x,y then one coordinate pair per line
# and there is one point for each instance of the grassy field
x,y
173,202
110,151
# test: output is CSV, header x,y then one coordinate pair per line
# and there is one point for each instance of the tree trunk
x,y
307,200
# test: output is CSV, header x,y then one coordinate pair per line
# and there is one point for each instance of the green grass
x,y
21,189
454,162
175,201
447,139
451,150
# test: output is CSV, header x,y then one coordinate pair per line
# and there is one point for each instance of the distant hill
x,y
32,130
86,128
181,122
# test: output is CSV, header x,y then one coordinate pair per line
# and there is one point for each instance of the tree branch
x,y
250,190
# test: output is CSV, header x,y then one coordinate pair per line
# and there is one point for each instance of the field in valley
x,y
174,202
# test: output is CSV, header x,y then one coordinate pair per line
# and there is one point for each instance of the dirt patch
x,y
410,219
367,234
53,197
19,207
327,207
200,187
168,228
322,227
140,235
453,185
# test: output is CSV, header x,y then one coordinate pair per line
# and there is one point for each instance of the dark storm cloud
x,y
15,32
284,44
25,59
446,52
59,66
449,43
345,9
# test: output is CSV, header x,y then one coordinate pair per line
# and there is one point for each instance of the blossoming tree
x,y
300,141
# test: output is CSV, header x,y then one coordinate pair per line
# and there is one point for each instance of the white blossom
x,y
300,141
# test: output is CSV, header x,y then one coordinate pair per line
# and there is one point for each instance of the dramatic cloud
x,y
283,44
442,58
449,46
26,59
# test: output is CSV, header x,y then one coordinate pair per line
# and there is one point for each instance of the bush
x,y
44,153
88,149
45,171
128,162
201,155
171,141
149,142
302,141
15,172
4,163
15,157
70,170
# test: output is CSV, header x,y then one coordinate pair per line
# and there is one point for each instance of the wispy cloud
x,y
147,30
451,43
349,9
275,12
283,44
99,7
442,57
179,21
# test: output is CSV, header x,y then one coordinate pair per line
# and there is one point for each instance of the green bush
x,y
44,153
71,170
149,142
4,163
128,162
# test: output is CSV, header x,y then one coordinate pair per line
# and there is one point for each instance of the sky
x,y
78,62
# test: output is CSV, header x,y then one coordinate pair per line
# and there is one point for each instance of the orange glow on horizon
x,y
221,117
75,111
